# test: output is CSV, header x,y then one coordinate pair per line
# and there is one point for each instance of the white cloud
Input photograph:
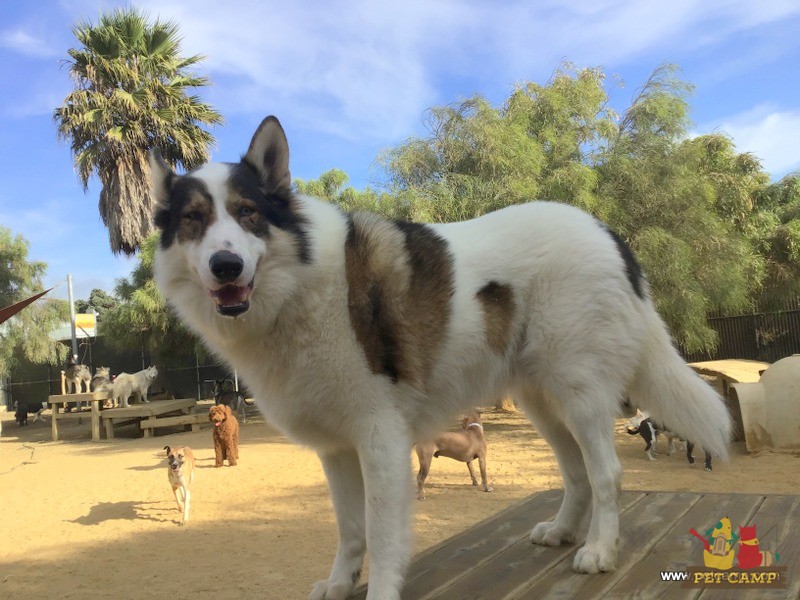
x,y
23,42
770,134
366,69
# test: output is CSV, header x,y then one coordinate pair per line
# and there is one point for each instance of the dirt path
x,y
84,520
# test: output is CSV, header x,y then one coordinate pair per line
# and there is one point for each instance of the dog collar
x,y
478,425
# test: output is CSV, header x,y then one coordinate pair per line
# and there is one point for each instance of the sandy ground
x,y
97,520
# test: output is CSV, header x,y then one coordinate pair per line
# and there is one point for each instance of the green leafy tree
x,y
98,300
142,318
686,206
332,186
26,334
133,91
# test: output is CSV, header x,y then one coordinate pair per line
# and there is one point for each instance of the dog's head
x,y
473,417
218,414
224,227
222,385
636,421
102,372
151,373
176,457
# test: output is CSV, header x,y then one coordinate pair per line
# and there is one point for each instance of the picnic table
x,y
150,415
58,404
495,560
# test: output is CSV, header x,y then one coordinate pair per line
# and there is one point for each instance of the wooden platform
x,y
496,561
151,411
58,404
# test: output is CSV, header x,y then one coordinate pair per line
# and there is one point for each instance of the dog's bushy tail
x,y
675,396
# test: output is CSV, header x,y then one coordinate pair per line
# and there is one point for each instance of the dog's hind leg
x,y
577,491
588,413
425,455
343,472
482,466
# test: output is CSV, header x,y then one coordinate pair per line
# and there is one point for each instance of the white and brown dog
x,y
359,335
463,446
180,471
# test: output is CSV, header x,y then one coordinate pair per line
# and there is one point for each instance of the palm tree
x,y
131,94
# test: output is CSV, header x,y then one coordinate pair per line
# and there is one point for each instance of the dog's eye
x,y
246,211
193,215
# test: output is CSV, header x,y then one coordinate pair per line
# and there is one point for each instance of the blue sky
x,y
350,78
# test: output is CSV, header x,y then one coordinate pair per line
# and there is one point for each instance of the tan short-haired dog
x,y
463,446
226,434
180,472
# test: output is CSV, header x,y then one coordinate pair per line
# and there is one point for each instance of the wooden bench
x,y
153,411
58,404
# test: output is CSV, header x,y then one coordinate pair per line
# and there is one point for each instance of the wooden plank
x,y
782,513
150,409
458,555
640,528
678,549
513,568
84,397
190,419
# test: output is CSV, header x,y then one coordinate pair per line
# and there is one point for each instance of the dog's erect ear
x,y
268,154
167,449
161,179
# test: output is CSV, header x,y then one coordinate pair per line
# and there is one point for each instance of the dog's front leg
x,y
186,497
347,492
385,459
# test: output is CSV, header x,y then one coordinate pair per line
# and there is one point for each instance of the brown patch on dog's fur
x,y
255,223
498,313
400,281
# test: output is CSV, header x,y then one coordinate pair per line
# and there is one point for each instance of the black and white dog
x,y
644,426
23,410
359,335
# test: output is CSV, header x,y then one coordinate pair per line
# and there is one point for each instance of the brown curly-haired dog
x,y
226,434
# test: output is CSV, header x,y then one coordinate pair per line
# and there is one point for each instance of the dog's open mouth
x,y
232,300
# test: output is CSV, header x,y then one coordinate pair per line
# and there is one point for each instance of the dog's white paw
x,y
601,559
324,590
488,488
547,533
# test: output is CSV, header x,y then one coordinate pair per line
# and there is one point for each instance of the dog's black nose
x,y
226,266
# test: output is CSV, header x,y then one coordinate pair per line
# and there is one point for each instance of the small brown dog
x,y
463,446
226,434
180,473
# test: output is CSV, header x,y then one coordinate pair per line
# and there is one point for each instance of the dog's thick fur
x,y
463,446
180,472
77,378
359,335
101,382
226,435
127,385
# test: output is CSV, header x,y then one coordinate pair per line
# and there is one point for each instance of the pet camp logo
x,y
735,560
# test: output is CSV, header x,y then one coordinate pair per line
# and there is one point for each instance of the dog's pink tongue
x,y
217,424
231,295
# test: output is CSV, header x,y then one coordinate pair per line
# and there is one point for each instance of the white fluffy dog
x,y
359,335
135,385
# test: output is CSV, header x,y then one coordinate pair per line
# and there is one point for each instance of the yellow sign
x,y
86,322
